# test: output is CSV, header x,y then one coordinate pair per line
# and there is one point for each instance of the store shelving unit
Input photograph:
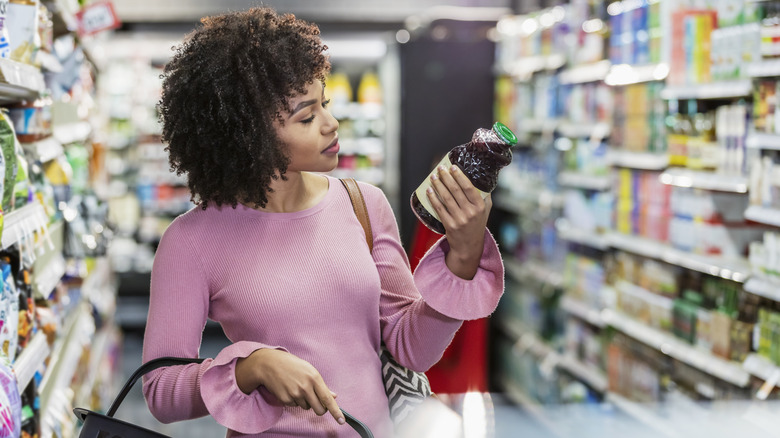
x,y
668,344
581,74
31,359
715,90
680,177
19,82
593,239
763,215
637,160
737,269
584,180
763,287
583,311
21,223
534,270
759,140
705,125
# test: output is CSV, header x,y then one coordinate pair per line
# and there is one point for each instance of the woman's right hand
x,y
291,379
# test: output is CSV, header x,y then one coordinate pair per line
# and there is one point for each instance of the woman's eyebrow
x,y
303,105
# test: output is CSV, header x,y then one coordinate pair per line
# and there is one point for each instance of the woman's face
x,y
310,132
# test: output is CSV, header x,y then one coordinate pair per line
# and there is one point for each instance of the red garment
x,y
463,367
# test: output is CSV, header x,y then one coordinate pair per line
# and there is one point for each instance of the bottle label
x,y
421,191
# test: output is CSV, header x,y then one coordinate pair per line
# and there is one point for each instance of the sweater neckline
x,y
324,202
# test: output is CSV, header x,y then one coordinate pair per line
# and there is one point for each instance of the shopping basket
x,y
106,426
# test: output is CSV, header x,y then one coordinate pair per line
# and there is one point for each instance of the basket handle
x,y
153,364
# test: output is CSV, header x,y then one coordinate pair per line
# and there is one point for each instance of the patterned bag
x,y
405,389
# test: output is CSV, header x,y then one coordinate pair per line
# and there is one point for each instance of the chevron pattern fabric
x,y
406,389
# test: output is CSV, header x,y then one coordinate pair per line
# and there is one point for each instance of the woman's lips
x,y
332,149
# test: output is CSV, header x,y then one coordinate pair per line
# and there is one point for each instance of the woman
x,y
276,255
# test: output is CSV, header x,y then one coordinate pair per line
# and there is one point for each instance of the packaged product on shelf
x,y
23,193
10,402
22,20
480,160
30,425
9,314
369,90
5,44
26,327
338,89
31,120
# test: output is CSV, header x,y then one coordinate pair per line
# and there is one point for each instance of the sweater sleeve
x,y
420,314
178,310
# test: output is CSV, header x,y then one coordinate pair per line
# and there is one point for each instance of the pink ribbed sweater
x,y
304,282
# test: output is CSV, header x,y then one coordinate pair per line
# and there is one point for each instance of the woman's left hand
x,y
464,215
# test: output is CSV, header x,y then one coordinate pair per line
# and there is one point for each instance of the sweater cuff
x,y
245,413
456,297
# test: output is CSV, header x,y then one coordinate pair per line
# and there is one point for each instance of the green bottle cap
x,y
505,133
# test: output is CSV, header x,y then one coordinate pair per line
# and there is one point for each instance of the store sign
x,y
97,17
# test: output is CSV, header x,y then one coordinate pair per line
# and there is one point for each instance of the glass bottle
x,y
480,160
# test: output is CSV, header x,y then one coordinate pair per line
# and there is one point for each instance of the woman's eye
x,y
325,103
308,120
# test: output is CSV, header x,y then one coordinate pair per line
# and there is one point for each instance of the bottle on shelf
x,y
480,160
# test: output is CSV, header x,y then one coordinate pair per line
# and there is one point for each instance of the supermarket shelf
x,y
356,110
582,311
23,222
765,370
516,201
528,341
585,181
538,125
763,287
49,265
625,74
637,245
581,74
730,269
642,414
596,131
760,367
46,149
764,68
594,378
759,140
638,160
72,132
19,81
704,180
64,357
764,215
728,371
31,359
525,67
570,233
522,271
715,90
98,353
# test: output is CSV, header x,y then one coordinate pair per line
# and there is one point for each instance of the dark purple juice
x,y
480,160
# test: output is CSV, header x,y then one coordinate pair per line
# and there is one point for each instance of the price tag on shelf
x,y
97,17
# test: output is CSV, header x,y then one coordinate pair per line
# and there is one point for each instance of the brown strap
x,y
359,205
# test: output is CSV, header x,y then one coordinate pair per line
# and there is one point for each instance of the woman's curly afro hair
x,y
222,90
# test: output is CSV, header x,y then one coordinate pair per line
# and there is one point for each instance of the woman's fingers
x,y
434,194
466,187
447,178
327,403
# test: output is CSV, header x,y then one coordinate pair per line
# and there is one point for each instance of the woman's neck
x,y
300,191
